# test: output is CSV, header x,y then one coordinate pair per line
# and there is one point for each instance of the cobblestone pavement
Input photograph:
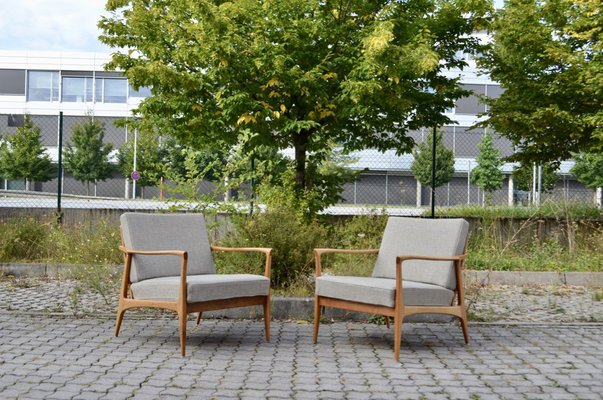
x,y
492,303
55,358
539,347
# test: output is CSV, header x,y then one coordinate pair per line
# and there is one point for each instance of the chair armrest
x,y
179,253
266,250
131,252
319,252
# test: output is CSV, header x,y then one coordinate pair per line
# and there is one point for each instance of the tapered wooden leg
x,y
120,317
182,320
317,310
267,318
465,328
387,321
397,336
199,317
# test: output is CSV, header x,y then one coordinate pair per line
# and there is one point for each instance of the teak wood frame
x,y
399,311
181,306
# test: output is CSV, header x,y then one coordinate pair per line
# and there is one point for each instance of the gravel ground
x,y
489,303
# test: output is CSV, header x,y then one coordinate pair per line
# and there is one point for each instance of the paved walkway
x,y
46,352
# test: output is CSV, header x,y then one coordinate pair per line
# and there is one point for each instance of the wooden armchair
x,y
169,265
418,270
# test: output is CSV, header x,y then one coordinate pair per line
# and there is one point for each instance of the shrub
x,y
292,242
23,238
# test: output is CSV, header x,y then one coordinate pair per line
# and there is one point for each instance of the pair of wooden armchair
x,y
169,264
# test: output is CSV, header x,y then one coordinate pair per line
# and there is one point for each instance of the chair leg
x,y
465,328
120,317
199,317
387,321
397,336
317,313
267,318
182,321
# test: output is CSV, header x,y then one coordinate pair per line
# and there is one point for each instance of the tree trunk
x,y
300,144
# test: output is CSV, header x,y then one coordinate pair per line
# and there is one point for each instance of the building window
x,y
12,82
142,92
111,90
77,89
43,86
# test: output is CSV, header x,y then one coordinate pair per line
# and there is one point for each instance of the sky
x,y
55,25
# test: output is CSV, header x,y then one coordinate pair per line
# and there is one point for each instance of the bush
x,y
292,242
23,238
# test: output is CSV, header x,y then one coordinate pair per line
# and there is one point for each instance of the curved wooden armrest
x,y
349,251
266,250
319,252
179,253
431,258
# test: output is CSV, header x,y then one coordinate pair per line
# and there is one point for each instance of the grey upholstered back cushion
x,y
167,232
423,237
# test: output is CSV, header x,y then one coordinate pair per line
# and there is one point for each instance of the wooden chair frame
x,y
399,311
181,306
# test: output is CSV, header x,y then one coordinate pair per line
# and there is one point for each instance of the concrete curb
x,y
512,278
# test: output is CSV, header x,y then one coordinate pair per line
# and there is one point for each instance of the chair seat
x,y
382,291
202,287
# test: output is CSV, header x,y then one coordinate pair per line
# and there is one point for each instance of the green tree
x,y
22,155
150,158
87,156
293,74
523,177
548,56
589,170
422,164
488,175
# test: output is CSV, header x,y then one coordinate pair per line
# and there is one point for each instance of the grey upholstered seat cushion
x,y
422,237
202,287
167,232
382,291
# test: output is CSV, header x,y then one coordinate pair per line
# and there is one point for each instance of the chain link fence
x,y
386,182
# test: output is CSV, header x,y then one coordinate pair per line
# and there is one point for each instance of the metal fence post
x,y
433,172
60,170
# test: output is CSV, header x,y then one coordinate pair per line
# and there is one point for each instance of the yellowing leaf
x,y
272,82
245,119
283,108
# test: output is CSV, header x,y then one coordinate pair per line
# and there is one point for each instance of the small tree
x,y
488,175
22,155
523,177
87,156
589,170
150,157
422,164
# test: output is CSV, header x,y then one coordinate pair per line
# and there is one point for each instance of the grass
x,y
549,209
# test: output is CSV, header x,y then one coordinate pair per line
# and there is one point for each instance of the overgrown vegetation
x,y
26,239
571,241
548,209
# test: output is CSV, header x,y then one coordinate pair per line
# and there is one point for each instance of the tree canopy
x,y
589,169
22,155
293,74
548,56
